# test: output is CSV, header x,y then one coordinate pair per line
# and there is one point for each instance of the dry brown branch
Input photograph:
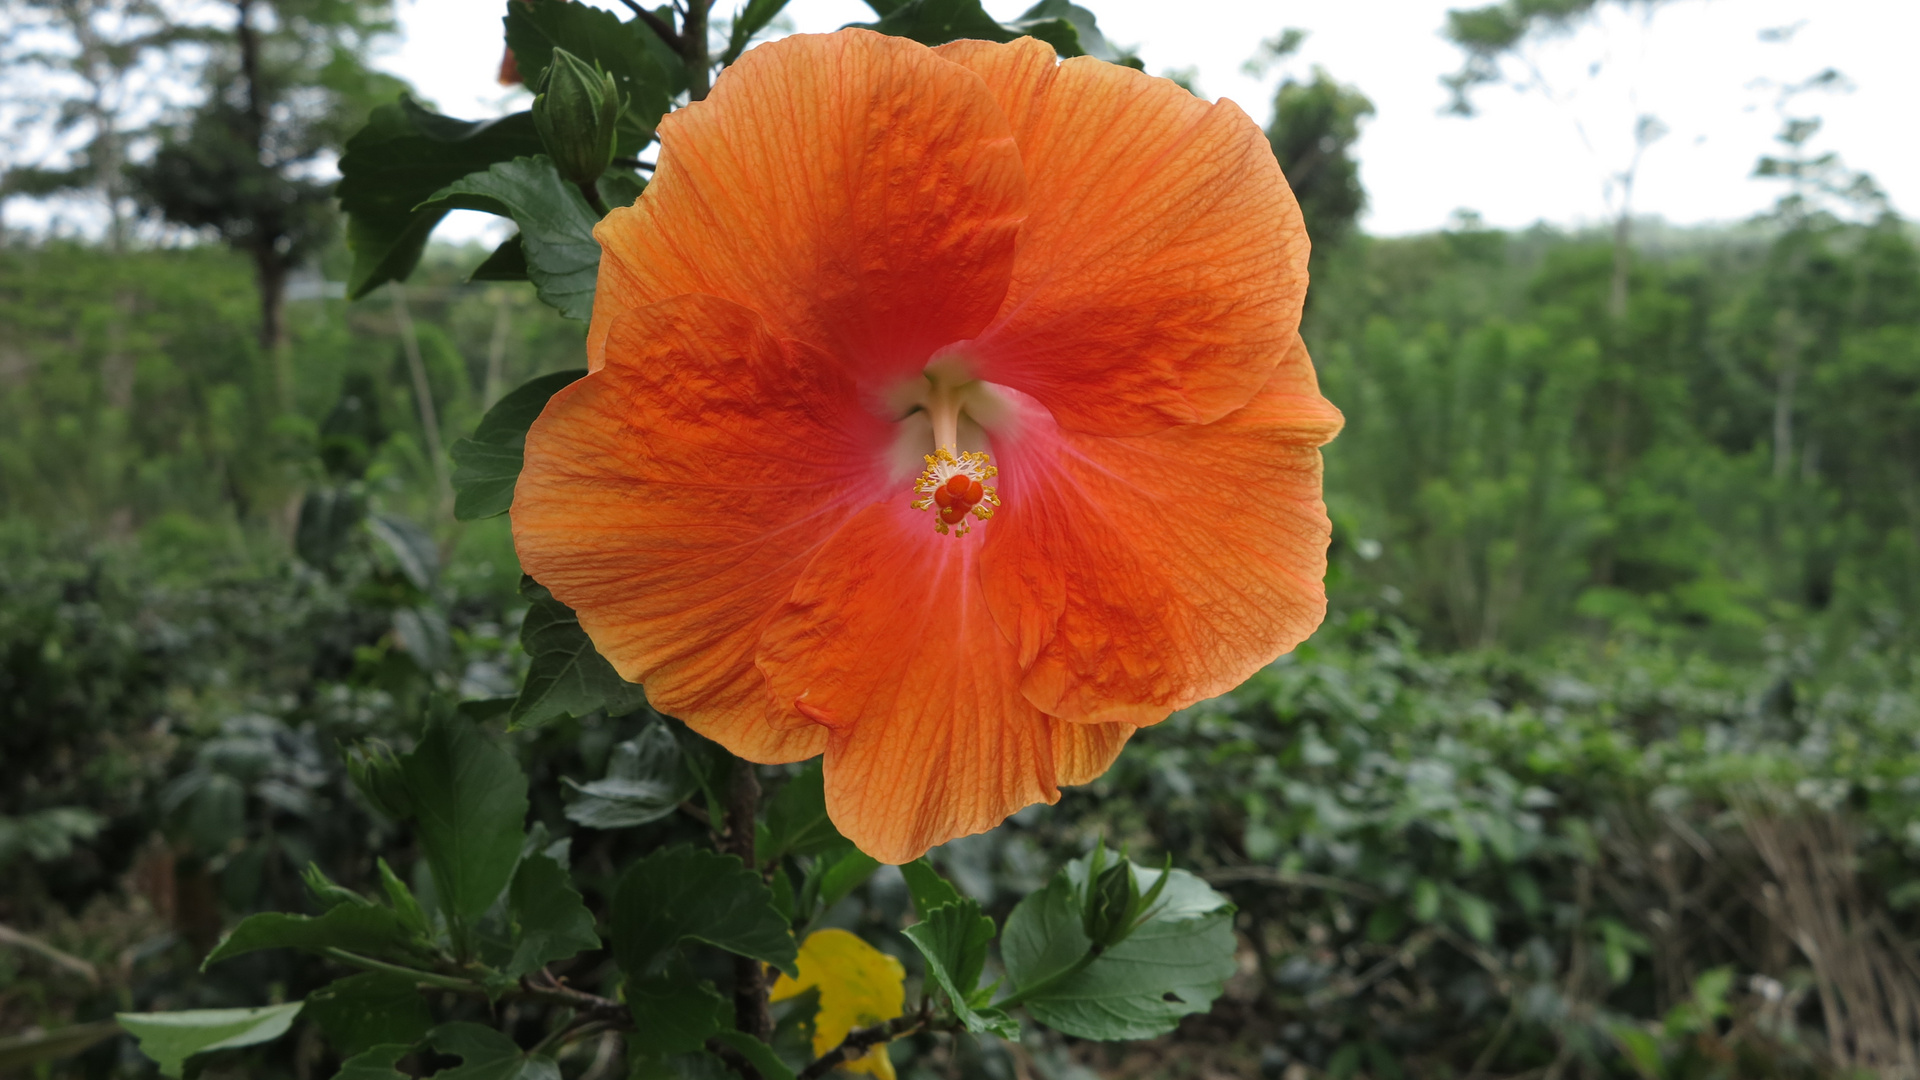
x,y
1868,983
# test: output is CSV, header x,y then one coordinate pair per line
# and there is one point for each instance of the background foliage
x,y
1603,764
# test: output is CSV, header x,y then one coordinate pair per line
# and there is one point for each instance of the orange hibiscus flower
x,y
948,415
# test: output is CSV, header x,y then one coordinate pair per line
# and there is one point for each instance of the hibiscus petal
x,y
673,498
1020,74
859,192
888,643
1163,263
1140,575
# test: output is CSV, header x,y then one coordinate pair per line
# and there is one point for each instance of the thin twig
x,y
1267,875
423,397
860,1040
571,1032
592,1007
654,23
10,936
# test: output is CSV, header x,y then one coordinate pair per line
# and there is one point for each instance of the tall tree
x,y
1315,125
1805,303
284,86
1492,35
78,73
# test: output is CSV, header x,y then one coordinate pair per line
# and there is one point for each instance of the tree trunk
x,y
249,43
1614,467
749,975
106,152
1787,366
693,49
1622,265
270,276
269,265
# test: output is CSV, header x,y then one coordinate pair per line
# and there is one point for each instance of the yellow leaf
x,y
859,986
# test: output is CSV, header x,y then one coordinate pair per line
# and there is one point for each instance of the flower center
x,y
954,484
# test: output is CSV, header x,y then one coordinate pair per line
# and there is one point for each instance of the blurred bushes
x,y
1733,454
1613,720
1483,858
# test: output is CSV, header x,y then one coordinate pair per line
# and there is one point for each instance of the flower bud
x,y
1112,907
1110,895
375,771
326,893
575,111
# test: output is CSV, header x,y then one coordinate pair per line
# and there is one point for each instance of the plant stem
x,y
654,23
749,976
592,194
592,1007
859,1040
424,978
570,1032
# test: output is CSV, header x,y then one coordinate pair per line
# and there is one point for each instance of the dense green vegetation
x,y
1615,651
1605,763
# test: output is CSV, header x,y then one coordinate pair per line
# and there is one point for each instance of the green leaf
x,y
486,1054
327,894
487,466
684,893
751,20
327,519
361,1012
551,921
597,36
675,1012
1175,964
758,1054
699,1065
566,677
1639,1047
404,904
936,22
797,822
1426,900
1087,36
404,155
413,548
928,888
556,226
470,807
619,188
647,779
1344,1062
834,873
1475,914
361,928
845,874
507,263
795,1022
375,1063
170,1038
953,938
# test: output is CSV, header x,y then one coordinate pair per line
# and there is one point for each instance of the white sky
x,y
1696,64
